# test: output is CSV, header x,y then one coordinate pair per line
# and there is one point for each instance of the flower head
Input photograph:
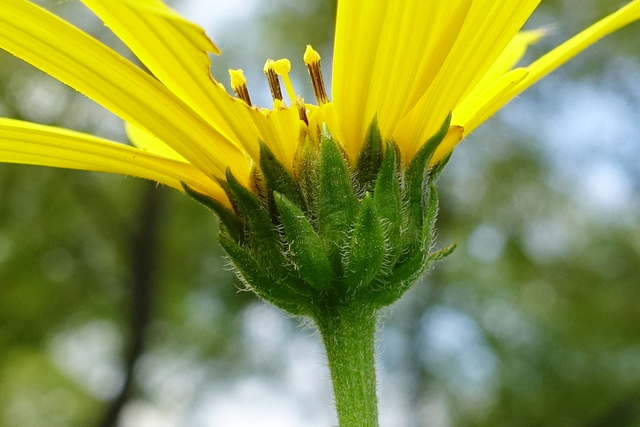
x,y
408,64
410,79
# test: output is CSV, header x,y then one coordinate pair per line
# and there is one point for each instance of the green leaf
x,y
305,247
263,238
387,198
337,204
306,167
418,165
279,179
261,283
430,216
416,261
436,170
367,247
442,253
228,219
370,158
391,287
415,186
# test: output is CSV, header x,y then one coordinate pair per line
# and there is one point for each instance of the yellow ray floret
x,y
29,143
488,28
175,51
478,107
407,63
87,65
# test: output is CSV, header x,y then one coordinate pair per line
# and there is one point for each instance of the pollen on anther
x,y
272,79
239,85
312,60
282,67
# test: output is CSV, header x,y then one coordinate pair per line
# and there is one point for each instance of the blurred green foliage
x,y
533,321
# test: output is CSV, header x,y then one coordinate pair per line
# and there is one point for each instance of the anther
x,y
272,78
239,85
302,110
312,61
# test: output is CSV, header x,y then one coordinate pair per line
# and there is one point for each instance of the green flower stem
x,y
348,336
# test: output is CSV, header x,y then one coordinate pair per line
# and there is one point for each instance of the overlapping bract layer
x,y
329,234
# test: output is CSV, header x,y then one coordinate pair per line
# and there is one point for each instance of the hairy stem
x,y
348,337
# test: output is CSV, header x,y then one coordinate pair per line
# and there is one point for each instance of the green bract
x,y
329,235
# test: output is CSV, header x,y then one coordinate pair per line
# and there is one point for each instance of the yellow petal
x,y
569,49
446,21
512,54
477,106
451,139
386,53
29,143
175,51
73,57
354,49
151,143
280,131
481,103
326,115
487,30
